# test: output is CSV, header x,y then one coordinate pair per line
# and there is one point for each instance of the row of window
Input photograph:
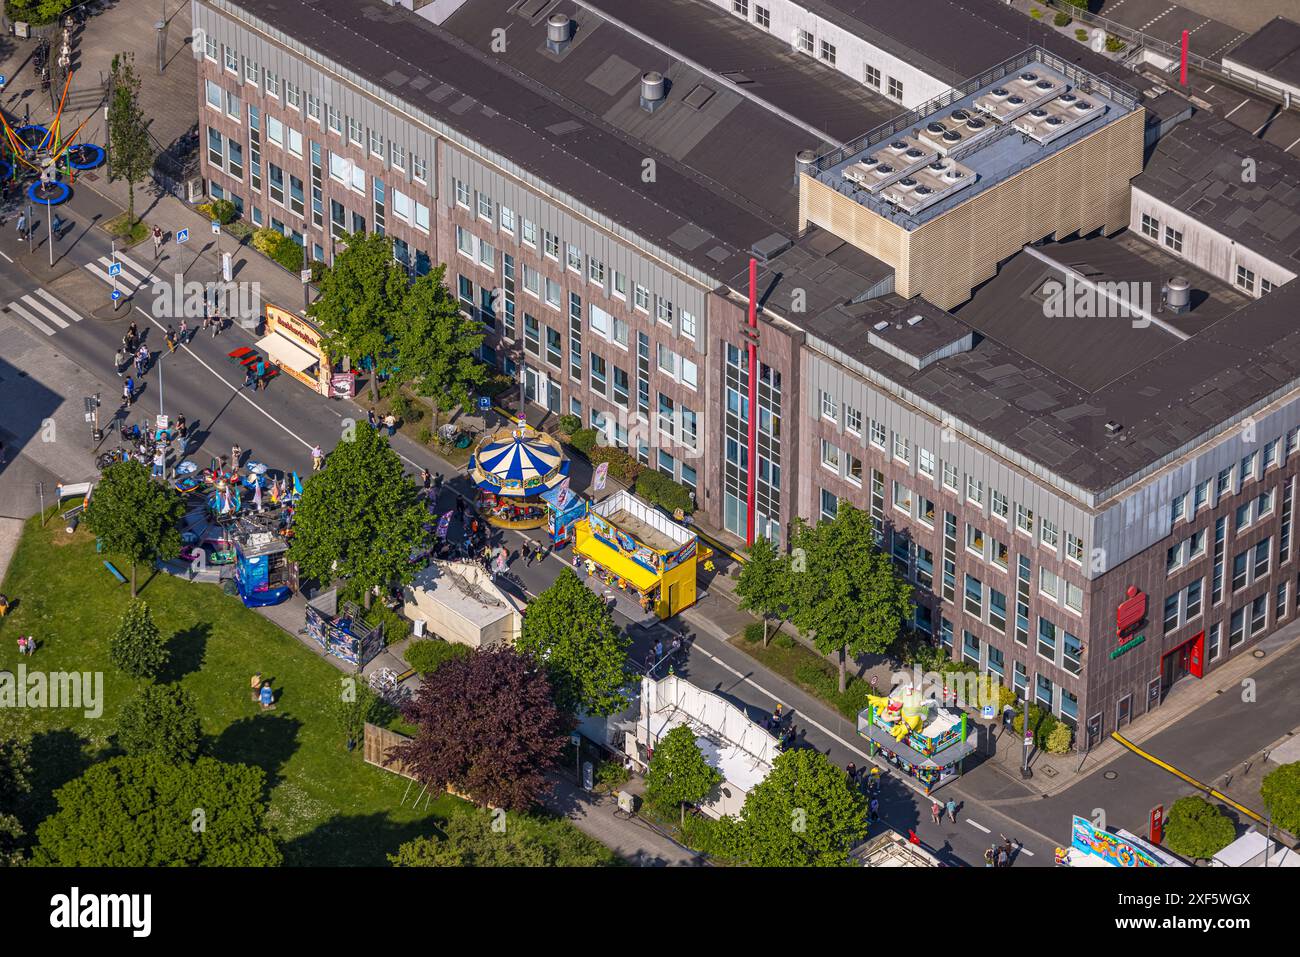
x,y
1252,467
991,659
1173,238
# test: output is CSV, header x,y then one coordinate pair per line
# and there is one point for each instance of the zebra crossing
x,y
46,313
132,278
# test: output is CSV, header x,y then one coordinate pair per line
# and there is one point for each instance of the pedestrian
x,y
56,226
1002,859
528,554
261,374
989,857
677,645
952,810
936,812
22,226
851,770
236,455
216,323
873,781
184,332
266,696
659,649
119,362
317,456
159,461
128,391
390,423
157,242
649,661
250,377
374,422
171,340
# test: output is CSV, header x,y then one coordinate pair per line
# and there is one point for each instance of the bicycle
x,y
112,457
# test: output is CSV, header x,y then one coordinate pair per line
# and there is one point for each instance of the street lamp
x,y
1026,771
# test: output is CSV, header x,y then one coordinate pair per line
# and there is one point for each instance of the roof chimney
x,y
559,31
1178,295
653,88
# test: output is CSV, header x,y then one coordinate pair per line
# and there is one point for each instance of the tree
x,y
470,839
15,775
356,705
162,720
805,813
360,300
572,634
436,343
488,727
36,12
145,812
1197,829
134,516
845,590
764,583
130,152
361,512
1281,793
137,647
679,774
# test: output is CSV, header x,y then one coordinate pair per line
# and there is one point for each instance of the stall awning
x,y
615,561
286,352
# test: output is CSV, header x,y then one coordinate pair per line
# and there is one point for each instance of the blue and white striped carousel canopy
x,y
518,463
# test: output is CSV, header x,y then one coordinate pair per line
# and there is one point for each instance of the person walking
x,y
936,812
120,359
216,322
236,454
372,419
390,422
128,391
184,332
159,461
22,226
171,340
260,376
873,810
659,648
851,769
1002,859
157,242
426,480
952,810
56,226
317,456
528,554
990,858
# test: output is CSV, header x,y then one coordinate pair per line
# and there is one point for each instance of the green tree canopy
x,y
362,512
137,647
145,812
361,299
571,632
130,152
436,344
1281,793
679,774
162,720
15,774
764,582
488,727
470,840
1197,829
805,813
134,516
846,592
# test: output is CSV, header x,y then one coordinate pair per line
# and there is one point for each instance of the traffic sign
x,y
115,269
2,79
987,712
182,236
117,294
216,227
485,403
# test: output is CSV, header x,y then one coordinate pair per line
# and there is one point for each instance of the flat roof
x,y
1197,168
1273,49
986,156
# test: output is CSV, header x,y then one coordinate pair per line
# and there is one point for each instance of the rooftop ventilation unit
x,y
1178,295
933,128
927,185
920,341
1114,428
890,163
653,88
1029,77
1016,95
959,116
559,31
1056,117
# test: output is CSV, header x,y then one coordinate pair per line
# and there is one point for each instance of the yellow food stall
x,y
631,544
293,343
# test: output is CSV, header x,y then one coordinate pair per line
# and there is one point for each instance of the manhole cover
x,y
1049,770
1111,775
1257,653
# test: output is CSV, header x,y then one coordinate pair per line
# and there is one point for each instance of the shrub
x,y
1058,742
610,776
584,440
659,489
136,647
1042,722
1197,829
395,626
1081,35
1036,13
400,406
569,424
1281,793
275,245
754,633
1114,44
426,435
1062,19
161,720
622,466
36,12
223,211
784,641
351,713
428,655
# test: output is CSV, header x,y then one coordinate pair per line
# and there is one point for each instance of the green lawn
x,y
327,807
805,668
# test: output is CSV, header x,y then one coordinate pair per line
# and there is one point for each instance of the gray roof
x,y
1273,49
1047,394
1197,168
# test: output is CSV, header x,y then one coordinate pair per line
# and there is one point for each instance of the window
x,y
1279,607
1074,548
1046,639
552,347
552,293
215,96
1150,226
1237,628
1247,469
292,95
895,88
830,505
1048,534
1213,642
272,83
532,335
1246,278
925,461
667,361
997,661
551,245
690,374
926,512
974,603
236,160
276,181
829,409
690,426
828,52
313,107
830,456
1224,484
1024,520
1073,597
902,498
355,131
1192,603
598,374
232,61
1171,612
950,479
210,47
1174,239
970,648
529,233
974,490
595,271
1049,584
334,119
924,567
275,131
873,76
1264,504
1258,614
741,7
1072,657
1239,570
1178,509
620,286
664,310
215,148
462,192
1270,454
763,17
396,156
804,39
620,386
1260,563
486,208
999,505
296,197
998,610
878,434
1000,553
975,540
852,420
465,242
419,169
902,448
487,255
1200,497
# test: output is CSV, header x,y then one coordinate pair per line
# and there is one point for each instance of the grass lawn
x,y
129,234
327,806
807,669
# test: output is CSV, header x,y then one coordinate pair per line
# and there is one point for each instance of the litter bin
x,y
418,627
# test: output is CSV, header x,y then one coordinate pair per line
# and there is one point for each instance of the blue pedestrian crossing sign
x,y
115,269
117,294
182,236
216,227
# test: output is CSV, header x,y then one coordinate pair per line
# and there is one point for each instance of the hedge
x,y
427,656
584,440
622,466
659,489
279,247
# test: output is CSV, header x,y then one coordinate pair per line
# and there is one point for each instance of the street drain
x,y
1111,775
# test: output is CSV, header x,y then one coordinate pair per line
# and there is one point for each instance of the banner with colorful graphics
x,y
675,558
1111,848
602,473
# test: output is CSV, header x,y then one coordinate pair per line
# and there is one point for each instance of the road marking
x,y
46,311
1210,87
1289,148
6,256
1026,851
17,307
978,826
65,309
1235,108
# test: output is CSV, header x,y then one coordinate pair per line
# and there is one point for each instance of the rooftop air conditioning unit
x,y
975,123
1000,92
934,128
1029,77
1083,106
881,326
1044,84
951,136
1068,97
959,116
885,169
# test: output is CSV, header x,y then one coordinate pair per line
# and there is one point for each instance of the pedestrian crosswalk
x,y
133,275
46,313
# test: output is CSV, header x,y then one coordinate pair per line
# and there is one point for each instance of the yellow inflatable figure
x,y
910,710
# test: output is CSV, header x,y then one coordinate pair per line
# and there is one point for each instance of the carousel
x,y
512,468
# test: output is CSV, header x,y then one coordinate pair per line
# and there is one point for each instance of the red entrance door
x,y
1196,665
